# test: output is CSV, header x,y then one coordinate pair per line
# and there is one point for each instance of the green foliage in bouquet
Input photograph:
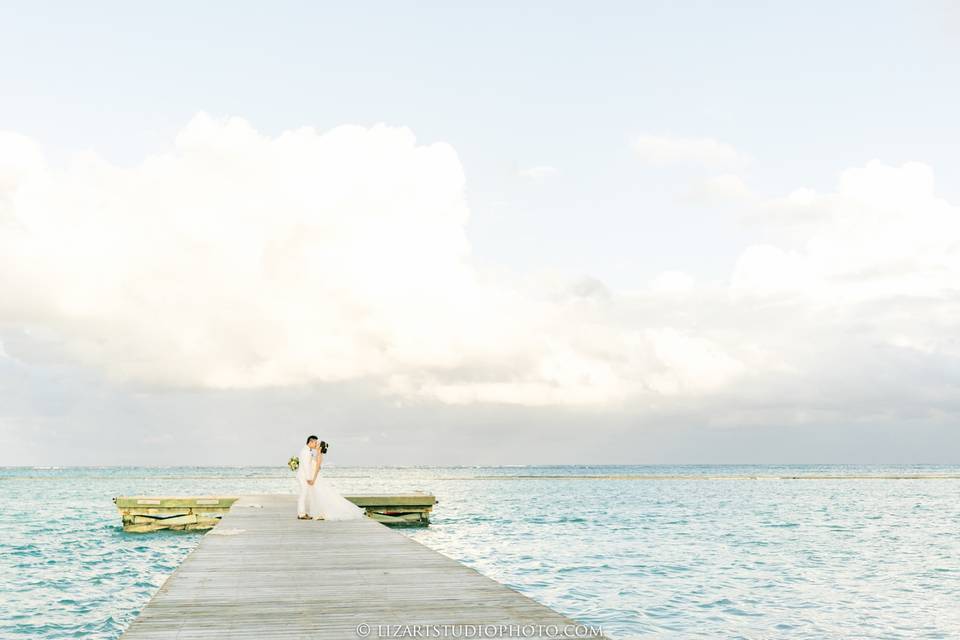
x,y
294,463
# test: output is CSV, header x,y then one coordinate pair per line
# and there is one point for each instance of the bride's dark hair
x,y
323,446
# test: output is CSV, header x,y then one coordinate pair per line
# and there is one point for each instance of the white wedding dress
x,y
323,501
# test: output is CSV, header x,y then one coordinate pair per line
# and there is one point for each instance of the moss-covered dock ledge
x,y
143,514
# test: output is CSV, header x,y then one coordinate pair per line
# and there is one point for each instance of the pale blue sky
x,y
805,90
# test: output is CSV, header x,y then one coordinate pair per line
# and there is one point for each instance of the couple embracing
x,y
318,500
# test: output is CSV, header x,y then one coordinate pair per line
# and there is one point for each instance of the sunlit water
x,y
754,558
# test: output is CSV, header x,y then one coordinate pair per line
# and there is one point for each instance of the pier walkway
x,y
261,574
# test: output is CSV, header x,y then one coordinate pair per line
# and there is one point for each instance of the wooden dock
x,y
145,514
261,574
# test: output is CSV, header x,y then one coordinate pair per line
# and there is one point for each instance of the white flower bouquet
x,y
293,463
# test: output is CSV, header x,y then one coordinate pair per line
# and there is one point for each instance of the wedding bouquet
x,y
293,463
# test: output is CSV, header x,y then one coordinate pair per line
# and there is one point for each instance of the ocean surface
x,y
646,552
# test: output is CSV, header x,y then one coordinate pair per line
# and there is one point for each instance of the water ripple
x,y
671,558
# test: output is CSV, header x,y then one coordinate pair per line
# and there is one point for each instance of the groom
x,y
305,474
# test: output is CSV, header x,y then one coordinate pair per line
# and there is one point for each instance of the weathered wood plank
x,y
157,512
136,502
405,500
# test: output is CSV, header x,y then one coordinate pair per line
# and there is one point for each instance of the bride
x,y
323,501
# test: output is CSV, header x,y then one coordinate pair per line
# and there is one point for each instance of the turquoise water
x,y
702,557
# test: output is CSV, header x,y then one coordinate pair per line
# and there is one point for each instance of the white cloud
x,y
860,301
662,151
19,158
724,189
539,173
672,282
243,261
692,364
883,233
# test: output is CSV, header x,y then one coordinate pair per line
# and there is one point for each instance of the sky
x,y
500,233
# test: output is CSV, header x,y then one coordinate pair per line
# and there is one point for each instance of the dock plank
x,y
279,577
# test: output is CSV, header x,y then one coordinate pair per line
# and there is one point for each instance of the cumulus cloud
x,y
672,282
662,151
860,299
244,261
539,173
884,233
725,188
19,157
239,260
